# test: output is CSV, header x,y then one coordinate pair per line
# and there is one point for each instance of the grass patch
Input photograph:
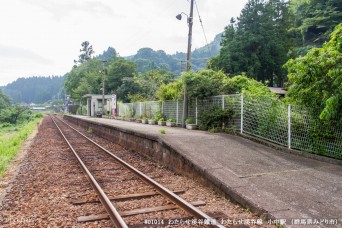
x,y
90,130
11,140
162,131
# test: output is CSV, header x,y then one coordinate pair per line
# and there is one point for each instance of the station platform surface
x,y
286,186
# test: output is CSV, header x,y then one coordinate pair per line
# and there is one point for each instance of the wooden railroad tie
x,y
92,218
124,197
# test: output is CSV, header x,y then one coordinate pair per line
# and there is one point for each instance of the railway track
x,y
96,162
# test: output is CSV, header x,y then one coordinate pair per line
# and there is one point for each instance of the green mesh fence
x,y
267,118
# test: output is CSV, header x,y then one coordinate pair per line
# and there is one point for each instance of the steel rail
x,y
161,189
113,213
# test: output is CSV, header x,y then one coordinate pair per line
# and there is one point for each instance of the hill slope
x,y
147,59
34,89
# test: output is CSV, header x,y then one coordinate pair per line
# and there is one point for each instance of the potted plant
x,y
171,122
131,119
118,117
144,120
191,123
152,121
161,121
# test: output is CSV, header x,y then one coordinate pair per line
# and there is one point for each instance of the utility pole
x,y
188,60
103,79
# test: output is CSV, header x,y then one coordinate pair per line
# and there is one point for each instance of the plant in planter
x,y
144,120
191,123
118,117
152,121
161,122
138,120
131,119
171,122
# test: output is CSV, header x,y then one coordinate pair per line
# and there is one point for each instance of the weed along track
x,y
51,189
106,171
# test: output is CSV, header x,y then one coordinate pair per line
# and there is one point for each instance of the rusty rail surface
x,y
161,189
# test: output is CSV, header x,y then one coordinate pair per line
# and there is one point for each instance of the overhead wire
x,y
205,36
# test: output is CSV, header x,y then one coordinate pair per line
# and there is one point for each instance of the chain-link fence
x,y
270,119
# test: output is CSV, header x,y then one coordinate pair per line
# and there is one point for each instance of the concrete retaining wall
x,y
159,151
147,145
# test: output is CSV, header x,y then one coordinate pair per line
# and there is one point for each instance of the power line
x,y
205,36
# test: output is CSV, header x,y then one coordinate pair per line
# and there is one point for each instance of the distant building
x,y
94,104
281,92
38,108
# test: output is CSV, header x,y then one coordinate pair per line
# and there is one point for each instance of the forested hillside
x,y
35,89
148,59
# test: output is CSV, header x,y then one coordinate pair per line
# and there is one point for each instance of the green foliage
x,y
315,80
120,79
11,139
171,120
314,20
258,43
90,130
16,114
86,53
159,116
215,118
147,59
39,115
244,85
109,55
148,83
170,91
204,83
84,79
208,83
162,131
35,89
5,101
190,120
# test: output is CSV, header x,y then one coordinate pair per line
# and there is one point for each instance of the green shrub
x,y
6,124
215,118
190,120
159,116
39,115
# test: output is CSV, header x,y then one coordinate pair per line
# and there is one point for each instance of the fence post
x,y
177,113
196,111
289,126
162,107
241,127
223,102
140,108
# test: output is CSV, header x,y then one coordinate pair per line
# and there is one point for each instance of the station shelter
x,y
94,104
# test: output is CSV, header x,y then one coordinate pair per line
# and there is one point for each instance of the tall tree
x,y
84,79
257,43
86,53
116,72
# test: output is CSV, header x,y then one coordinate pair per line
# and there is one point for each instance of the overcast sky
x,y
43,37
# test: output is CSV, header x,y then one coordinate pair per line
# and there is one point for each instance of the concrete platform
x,y
280,185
